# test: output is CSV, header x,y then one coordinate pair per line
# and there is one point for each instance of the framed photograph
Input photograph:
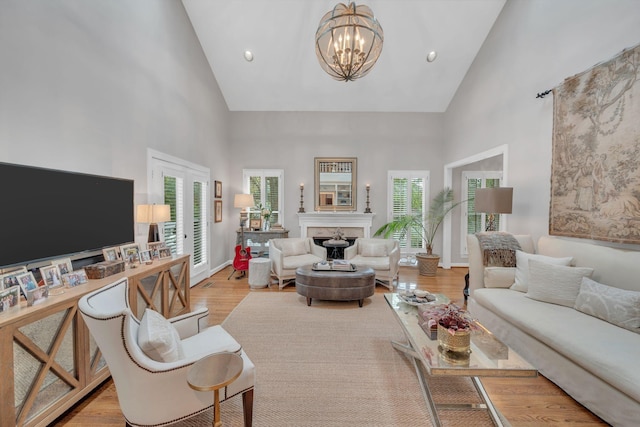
x,y
64,265
130,252
27,282
75,278
155,247
111,254
9,298
164,253
145,257
37,295
218,189
218,211
51,276
9,279
255,224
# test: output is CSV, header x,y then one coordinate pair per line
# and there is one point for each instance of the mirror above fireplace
x,y
335,183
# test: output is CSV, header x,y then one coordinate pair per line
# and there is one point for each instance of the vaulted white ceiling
x,y
285,74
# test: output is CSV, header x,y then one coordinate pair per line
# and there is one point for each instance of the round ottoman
x,y
335,285
259,272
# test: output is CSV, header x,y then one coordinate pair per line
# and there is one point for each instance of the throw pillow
x,y
499,277
522,267
613,305
158,338
293,247
374,249
556,284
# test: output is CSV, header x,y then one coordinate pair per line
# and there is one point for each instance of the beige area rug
x,y
332,364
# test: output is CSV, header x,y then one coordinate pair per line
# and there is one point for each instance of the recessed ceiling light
x,y
431,56
248,55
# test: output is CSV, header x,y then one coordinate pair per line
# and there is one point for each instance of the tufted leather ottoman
x,y
335,285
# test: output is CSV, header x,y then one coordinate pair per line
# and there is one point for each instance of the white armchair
x,y
288,254
383,255
152,392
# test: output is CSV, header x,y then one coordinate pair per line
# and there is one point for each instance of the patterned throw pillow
x,y
158,338
614,305
521,282
556,284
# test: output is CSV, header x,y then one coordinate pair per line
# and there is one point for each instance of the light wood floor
x,y
524,402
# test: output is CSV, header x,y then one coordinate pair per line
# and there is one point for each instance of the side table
x,y
259,272
212,373
335,246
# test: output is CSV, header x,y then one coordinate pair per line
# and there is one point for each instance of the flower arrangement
x,y
265,212
449,316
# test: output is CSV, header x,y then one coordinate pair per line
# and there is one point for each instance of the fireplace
x,y
324,224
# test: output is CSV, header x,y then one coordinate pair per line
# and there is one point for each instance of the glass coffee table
x,y
489,357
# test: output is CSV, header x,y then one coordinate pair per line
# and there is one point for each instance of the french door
x,y
185,188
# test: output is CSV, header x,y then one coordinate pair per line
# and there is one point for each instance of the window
x,y
408,194
266,187
472,221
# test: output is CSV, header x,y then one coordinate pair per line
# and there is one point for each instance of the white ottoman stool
x,y
259,272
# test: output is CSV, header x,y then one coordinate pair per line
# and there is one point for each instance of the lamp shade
x,y
152,214
243,201
496,200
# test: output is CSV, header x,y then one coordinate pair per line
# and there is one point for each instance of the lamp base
x,y
154,235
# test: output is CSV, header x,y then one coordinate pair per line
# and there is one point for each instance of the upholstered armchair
x,y
288,254
383,255
152,392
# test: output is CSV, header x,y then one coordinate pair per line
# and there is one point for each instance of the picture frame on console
x,y
9,298
255,224
111,254
51,276
27,282
155,247
37,295
9,279
145,257
164,253
130,252
64,265
75,278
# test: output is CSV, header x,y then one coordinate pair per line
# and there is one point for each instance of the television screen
x,y
48,213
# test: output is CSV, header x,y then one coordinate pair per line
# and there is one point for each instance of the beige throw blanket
x,y
498,248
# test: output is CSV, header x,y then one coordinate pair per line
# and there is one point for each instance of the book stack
x,y
341,264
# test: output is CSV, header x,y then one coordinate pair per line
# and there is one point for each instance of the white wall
x,y
534,46
380,141
88,86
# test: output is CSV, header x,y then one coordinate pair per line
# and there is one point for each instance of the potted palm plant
x,y
424,226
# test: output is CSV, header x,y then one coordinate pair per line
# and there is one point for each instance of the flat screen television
x,y
49,213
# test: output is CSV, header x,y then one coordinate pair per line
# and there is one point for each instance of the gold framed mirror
x,y
335,183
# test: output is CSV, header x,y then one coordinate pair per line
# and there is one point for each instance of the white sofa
x,y
593,360
287,255
383,255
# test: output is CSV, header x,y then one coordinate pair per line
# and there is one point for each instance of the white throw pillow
x,y
556,284
613,305
293,247
158,338
522,267
374,249
499,277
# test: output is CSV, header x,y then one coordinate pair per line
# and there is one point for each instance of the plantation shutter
x,y
265,185
407,197
199,222
174,197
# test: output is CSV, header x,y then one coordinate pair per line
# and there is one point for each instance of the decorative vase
x,y
427,264
266,225
459,342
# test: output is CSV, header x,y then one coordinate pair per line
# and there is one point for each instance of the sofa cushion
x,y
617,306
522,267
370,249
556,284
293,262
158,338
597,346
499,277
377,263
292,247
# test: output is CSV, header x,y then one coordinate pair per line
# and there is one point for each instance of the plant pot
x,y
460,342
427,264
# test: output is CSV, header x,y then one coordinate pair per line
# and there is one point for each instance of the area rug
x,y
332,364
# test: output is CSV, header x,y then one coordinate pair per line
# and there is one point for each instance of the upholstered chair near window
x,y
149,358
288,254
383,255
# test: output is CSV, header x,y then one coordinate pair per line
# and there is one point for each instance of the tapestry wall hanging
x,y
595,170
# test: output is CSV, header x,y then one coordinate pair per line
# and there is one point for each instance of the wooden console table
x,y
48,358
259,239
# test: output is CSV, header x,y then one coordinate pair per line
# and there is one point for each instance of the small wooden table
x,y
212,373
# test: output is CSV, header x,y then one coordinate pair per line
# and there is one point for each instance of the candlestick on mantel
x,y
367,210
301,210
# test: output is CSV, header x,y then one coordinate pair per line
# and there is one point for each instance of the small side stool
x,y
259,272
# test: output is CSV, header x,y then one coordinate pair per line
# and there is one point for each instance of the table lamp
x,y
243,201
497,200
153,214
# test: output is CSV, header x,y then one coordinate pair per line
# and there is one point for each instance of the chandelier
x,y
348,41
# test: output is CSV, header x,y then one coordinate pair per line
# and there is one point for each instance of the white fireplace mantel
x,y
334,220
